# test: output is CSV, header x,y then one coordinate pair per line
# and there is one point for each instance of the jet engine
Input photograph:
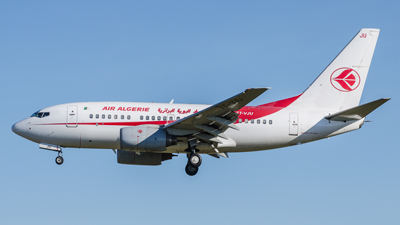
x,y
145,138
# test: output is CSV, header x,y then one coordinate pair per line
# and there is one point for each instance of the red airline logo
x,y
345,79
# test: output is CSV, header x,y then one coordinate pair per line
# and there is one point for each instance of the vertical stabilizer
x,y
341,84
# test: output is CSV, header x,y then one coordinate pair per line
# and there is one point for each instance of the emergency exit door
x,y
293,124
72,116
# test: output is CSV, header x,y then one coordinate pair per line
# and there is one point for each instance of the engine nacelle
x,y
145,158
144,138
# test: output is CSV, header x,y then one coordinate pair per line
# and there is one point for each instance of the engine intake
x,y
145,137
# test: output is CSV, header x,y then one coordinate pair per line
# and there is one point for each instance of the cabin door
x,y
72,116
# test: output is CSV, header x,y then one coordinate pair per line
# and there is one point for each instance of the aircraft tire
x,y
194,160
190,170
59,160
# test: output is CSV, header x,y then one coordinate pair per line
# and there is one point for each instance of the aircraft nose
x,y
18,128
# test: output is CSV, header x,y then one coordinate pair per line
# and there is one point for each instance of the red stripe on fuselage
x,y
114,123
255,112
247,112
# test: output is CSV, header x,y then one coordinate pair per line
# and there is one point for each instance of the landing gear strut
x,y
194,159
59,158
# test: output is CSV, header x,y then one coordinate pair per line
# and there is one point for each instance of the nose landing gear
x,y
59,158
56,148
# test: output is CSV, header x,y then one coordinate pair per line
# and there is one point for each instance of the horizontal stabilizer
x,y
357,112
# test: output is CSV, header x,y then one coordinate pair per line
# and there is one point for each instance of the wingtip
x,y
260,88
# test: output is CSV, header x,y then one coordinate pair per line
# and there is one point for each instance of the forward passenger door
x,y
72,116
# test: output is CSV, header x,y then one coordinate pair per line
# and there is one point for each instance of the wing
x,y
210,124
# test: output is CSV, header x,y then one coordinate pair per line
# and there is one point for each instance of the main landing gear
x,y
190,170
194,160
59,158
192,166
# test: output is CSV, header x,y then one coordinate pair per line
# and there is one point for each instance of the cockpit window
x,y
35,114
40,114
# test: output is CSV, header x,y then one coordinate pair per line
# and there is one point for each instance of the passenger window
x,y
246,120
97,116
115,116
103,116
264,121
171,118
91,116
147,117
122,117
164,118
158,117
153,118
141,117
240,120
270,121
252,121
109,116
128,117
178,118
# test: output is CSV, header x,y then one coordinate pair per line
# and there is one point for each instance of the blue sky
x,y
56,52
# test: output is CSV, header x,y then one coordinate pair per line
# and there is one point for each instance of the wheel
x,y
190,170
59,160
194,160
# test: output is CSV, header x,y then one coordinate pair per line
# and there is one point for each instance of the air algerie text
x,y
133,109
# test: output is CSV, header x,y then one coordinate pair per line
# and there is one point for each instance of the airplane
x,y
150,133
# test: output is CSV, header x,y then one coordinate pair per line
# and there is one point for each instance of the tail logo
x,y
345,79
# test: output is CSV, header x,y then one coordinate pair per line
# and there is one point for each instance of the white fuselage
x,y
98,124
